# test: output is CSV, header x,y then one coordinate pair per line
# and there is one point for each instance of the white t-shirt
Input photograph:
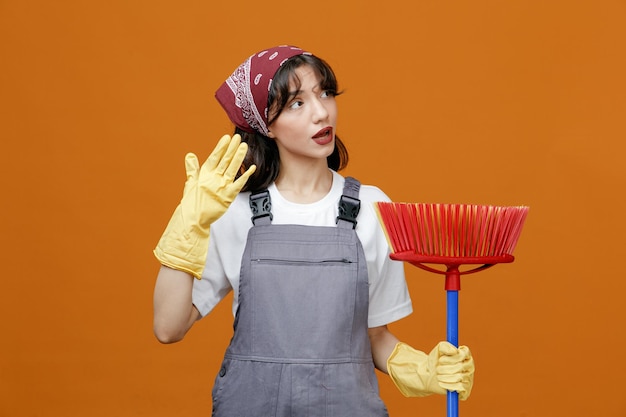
x,y
389,297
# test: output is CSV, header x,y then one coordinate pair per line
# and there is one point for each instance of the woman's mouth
x,y
324,136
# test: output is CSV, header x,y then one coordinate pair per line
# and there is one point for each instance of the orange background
x,y
492,102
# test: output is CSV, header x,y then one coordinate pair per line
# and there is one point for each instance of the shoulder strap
x,y
348,209
261,206
349,204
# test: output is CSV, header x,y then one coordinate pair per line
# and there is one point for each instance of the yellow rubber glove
x,y
445,368
208,192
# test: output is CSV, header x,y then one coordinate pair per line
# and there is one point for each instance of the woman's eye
x,y
295,104
328,93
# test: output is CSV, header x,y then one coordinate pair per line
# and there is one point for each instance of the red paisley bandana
x,y
244,94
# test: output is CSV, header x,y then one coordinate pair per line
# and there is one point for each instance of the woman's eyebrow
x,y
300,91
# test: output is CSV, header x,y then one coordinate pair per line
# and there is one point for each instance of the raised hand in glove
x,y
445,368
208,192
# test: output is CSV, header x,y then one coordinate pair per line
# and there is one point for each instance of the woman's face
x,y
305,129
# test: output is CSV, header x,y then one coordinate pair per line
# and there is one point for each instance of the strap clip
x,y
349,209
261,206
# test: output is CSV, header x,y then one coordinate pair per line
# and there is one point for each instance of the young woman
x,y
268,217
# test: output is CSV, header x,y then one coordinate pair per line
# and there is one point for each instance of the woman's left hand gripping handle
x,y
209,191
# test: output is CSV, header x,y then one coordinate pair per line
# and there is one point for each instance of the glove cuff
x,y
409,371
179,263
183,245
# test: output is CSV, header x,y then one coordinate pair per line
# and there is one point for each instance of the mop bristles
x,y
451,230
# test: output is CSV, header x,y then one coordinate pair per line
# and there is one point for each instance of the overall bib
x,y
300,346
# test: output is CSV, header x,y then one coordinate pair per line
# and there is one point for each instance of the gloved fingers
x,y
450,360
451,369
233,157
464,394
465,351
449,354
460,356
455,369
459,383
241,181
451,386
191,167
461,363
464,388
227,157
214,161
450,379
232,161
446,348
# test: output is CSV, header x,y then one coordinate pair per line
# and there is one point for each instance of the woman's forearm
x,y
383,343
174,312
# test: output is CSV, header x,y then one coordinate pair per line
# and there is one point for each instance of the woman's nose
x,y
320,112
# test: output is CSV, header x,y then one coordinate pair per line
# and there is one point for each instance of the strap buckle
x,y
349,209
261,206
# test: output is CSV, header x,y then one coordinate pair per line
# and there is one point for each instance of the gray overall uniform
x,y
300,346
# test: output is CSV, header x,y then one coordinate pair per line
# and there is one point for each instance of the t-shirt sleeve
x,y
389,295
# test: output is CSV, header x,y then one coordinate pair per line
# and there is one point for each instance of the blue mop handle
x,y
453,337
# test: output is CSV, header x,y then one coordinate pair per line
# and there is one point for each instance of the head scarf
x,y
245,93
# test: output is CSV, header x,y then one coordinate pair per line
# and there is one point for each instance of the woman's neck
x,y
304,186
